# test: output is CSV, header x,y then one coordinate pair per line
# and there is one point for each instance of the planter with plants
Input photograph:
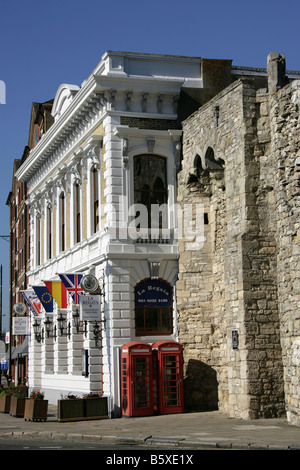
x,y
72,408
5,396
36,408
17,402
95,406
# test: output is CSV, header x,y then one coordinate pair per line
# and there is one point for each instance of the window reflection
x,y
150,186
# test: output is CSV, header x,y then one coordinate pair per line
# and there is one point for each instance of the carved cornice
x,y
70,172
62,137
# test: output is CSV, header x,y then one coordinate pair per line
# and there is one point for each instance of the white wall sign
x,y
89,306
20,326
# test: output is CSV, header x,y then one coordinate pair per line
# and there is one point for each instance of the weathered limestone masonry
x,y
238,293
285,132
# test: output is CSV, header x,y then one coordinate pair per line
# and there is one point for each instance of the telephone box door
x,y
169,378
136,379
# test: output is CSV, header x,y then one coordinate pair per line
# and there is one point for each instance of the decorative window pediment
x,y
63,98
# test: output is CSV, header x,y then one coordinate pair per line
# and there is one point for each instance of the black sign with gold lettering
x,y
153,293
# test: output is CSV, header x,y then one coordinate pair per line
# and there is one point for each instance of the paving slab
x,y
197,430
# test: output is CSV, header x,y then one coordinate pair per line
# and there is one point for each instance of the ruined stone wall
x,y
285,130
228,287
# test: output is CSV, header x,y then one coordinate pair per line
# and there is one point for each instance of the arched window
x,y
211,162
153,308
150,188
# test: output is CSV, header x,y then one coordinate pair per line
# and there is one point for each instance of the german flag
x,y
58,292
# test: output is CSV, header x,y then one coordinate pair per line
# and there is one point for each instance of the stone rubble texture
x,y
241,163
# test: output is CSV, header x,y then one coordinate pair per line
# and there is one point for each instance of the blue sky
x,y
44,45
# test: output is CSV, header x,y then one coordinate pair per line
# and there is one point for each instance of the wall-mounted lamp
x,y
48,324
37,330
76,318
61,326
96,331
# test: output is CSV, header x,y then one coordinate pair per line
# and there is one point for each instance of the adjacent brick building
x,y
19,252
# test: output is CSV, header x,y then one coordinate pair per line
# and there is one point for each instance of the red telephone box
x,y
168,382
137,379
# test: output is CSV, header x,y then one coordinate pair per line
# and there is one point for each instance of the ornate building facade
x,y
111,152
167,179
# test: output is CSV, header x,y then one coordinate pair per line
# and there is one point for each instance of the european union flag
x,y
45,297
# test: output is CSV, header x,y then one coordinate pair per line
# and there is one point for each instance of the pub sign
x,y
153,293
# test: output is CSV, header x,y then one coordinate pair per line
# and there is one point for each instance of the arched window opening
x,y
211,162
151,189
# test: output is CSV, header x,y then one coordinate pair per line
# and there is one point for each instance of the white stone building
x,y
115,143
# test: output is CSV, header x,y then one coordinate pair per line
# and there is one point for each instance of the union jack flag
x,y
72,284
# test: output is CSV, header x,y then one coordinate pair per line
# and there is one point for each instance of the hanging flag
x,y
32,301
72,284
58,292
45,297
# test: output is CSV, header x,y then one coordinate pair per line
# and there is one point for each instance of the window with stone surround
x,y
151,189
38,239
153,308
62,215
95,192
49,232
77,212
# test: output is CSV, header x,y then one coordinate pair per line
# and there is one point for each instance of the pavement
x,y
203,430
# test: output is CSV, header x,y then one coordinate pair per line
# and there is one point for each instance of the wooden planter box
x,y
36,410
95,408
81,409
71,409
17,407
5,403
